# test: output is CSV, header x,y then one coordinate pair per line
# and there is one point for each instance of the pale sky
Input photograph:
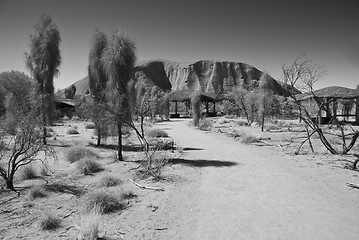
x,y
265,34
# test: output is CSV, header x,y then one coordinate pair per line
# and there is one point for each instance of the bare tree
x,y
22,148
43,61
303,74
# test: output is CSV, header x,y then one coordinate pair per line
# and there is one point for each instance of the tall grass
x,y
77,153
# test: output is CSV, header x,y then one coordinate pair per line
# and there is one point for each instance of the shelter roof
x,y
331,92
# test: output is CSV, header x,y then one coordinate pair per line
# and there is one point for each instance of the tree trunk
x,y
10,183
98,136
44,122
119,153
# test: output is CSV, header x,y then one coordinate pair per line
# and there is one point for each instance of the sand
x,y
215,188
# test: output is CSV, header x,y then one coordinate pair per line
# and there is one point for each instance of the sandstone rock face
x,y
215,77
208,76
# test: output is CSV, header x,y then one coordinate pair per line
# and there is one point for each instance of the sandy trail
x,y
249,192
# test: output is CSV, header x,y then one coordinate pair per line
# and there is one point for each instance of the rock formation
x,y
208,76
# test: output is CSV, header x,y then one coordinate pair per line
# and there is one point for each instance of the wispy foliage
x,y
43,61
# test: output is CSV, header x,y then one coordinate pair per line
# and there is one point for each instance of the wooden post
x,y
327,106
214,107
176,107
206,107
357,111
335,107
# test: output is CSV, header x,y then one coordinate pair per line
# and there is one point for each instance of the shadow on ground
x,y
125,148
203,163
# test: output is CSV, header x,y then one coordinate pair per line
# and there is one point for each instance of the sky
x,y
265,34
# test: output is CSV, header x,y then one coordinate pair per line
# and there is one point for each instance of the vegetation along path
x,y
251,192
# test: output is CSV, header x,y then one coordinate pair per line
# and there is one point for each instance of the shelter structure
x,y
336,98
184,97
65,106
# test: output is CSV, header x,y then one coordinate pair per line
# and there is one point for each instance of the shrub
x,y
104,201
77,153
270,127
205,124
90,126
28,172
110,181
89,227
49,222
249,139
75,118
37,193
156,133
241,123
88,166
65,118
72,131
128,194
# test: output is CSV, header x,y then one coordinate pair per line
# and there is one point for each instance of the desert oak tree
x,y
119,60
43,61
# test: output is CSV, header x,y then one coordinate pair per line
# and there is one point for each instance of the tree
x,y
70,92
22,148
119,60
17,90
196,108
265,100
303,74
43,61
98,81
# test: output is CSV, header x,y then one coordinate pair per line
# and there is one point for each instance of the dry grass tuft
x,y
103,200
89,227
205,124
49,222
72,131
88,166
90,126
110,181
37,193
156,133
249,139
77,153
75,118
241,123
28,172
128,194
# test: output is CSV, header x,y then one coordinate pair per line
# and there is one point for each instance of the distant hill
x,y
208,76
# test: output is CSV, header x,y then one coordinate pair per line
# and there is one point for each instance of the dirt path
x,y
250,192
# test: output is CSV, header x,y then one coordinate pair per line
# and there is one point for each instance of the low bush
x,y
241,123
156,133
128,194
90,126
88,166
75,118
104,201
270,127
72,131
205,124
110,181
49,222
77,153
89,226
28,172
249,139
37,193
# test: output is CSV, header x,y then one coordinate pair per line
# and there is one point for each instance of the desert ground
x,y
215,186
